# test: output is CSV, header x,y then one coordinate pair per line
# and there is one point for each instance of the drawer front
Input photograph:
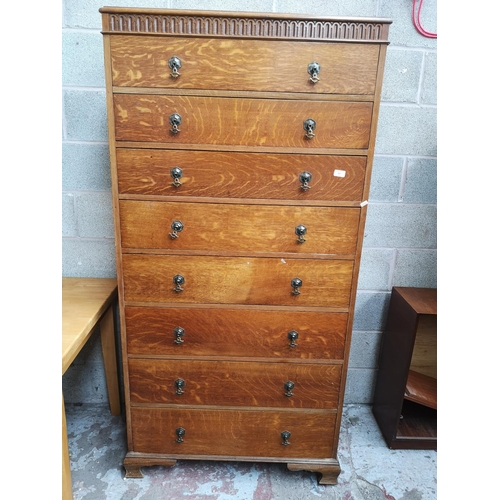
x,y
242,122
237,280
263,65
250,433
240,175
234,332
234,383
254,228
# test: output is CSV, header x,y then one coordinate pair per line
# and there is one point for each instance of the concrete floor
x,y
370,471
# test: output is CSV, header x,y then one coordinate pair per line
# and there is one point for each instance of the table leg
x,y
67,493
107,327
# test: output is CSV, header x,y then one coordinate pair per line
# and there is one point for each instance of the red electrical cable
x,y
417,23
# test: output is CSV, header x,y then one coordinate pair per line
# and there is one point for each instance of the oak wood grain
x,y
229,280
218,227
228,432
235,332
258,65
250,122
240,175
234,383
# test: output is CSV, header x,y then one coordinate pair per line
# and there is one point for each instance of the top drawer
x,y
255,65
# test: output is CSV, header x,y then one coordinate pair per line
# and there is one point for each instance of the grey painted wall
x,y
400,237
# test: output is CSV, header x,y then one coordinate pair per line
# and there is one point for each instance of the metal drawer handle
x,y
305,179
309,126
296,284
293,336
178,333
175,120
175,64
180,431
301,231
288,388
179,384
176,174
313,69
178,282
177,226
285,436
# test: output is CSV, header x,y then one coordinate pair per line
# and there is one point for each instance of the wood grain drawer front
x,y
242,122
233,332
264,65
250,433
248,228
240,175
237,280
234,383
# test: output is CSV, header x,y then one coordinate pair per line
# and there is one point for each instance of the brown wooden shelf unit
x,y
405,400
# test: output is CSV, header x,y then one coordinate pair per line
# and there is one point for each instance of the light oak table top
x,y
84,300
85,303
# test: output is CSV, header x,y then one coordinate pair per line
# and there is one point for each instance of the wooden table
x,y
86,303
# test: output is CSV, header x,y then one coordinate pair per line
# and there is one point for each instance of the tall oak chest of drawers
x,y
241,147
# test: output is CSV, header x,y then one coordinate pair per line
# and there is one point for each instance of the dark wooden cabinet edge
x,y
394,364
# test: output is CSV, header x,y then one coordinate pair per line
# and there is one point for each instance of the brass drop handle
x,y
301,231
178,334
293,336
309,126
179,384
180,431
296,284
175,64
305,179
285,436
175,120
178,282
176,174
288,388
313,69
177,226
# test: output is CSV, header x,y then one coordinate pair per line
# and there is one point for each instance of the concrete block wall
x,y
400,236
